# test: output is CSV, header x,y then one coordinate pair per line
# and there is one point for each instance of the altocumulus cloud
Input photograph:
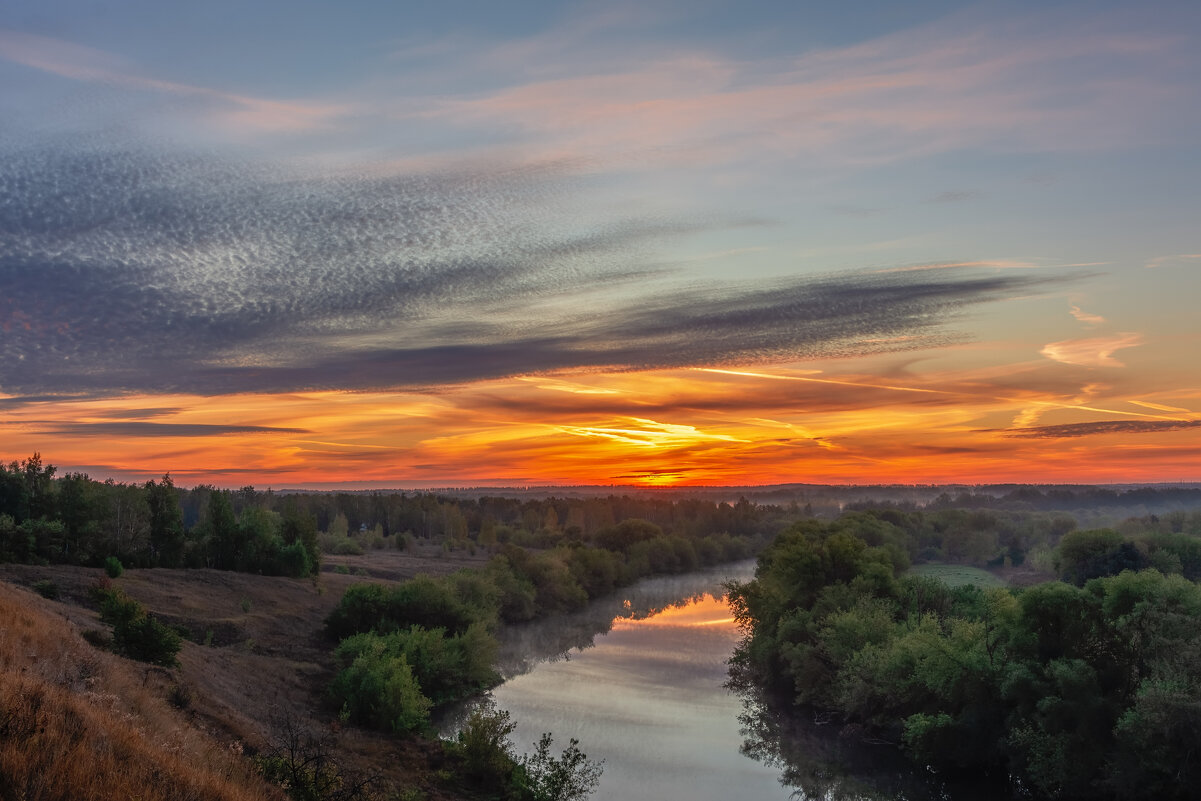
x,y
137,269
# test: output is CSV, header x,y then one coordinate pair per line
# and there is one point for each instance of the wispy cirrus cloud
x,y
1093,351
81,63
960,82
1159,261
1086,317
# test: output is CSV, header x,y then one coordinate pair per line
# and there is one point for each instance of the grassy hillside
x,y
78,722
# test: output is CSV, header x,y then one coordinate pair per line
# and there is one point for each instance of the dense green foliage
x,y
76,520
1081,690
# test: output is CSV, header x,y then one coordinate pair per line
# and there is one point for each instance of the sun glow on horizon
x,y
695,427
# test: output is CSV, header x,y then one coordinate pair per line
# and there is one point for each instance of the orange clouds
x,y
657,428
1091,352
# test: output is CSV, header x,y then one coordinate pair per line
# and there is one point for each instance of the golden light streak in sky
x,y
658,428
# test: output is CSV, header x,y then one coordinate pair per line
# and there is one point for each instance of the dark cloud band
x,y
139,429
1070,430
129,270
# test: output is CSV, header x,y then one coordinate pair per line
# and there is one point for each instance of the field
x,y
958,575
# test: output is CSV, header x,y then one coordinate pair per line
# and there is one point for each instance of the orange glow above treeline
x,y
718,426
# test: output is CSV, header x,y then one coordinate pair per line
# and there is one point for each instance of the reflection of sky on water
x,y
647,696
638,678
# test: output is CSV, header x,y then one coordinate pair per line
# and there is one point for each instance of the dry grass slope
x,y
78,723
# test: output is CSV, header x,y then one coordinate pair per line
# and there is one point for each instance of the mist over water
x,y
639,679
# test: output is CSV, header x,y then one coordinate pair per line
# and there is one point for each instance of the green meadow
x,y
958,575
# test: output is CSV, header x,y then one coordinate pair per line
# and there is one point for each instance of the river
x,y
639,679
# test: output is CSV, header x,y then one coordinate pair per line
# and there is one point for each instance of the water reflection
x,y
640,680
819,759
557,638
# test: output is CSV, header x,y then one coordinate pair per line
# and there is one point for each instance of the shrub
x,y
570,777
180,696
347,547
117,607
446,668
147,640
47,589
113,567
96,638
484,745
136,634
377,689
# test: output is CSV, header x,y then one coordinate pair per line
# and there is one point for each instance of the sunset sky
x,y
382,244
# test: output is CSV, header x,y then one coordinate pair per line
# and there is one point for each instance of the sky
x,y
379,244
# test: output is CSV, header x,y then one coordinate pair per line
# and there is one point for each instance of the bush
x,y
113,567
136,634
484,745
147,640
117,607
377,689
47,589
446,668
570,777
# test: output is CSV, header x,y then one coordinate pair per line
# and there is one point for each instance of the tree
x,y
377,689
166,523
300,527
570,777
223,532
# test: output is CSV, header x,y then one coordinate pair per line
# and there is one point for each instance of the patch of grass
x,y
958,575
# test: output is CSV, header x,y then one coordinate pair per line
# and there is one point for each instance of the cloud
x,y
158,430
1085,317
138,414
1092,352
1159,406
1034,83
76,62
1159,261
138,270
1071,430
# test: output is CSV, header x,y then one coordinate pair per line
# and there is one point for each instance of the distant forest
x,y
75,519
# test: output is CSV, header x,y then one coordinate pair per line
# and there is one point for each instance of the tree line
x,y
75,519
